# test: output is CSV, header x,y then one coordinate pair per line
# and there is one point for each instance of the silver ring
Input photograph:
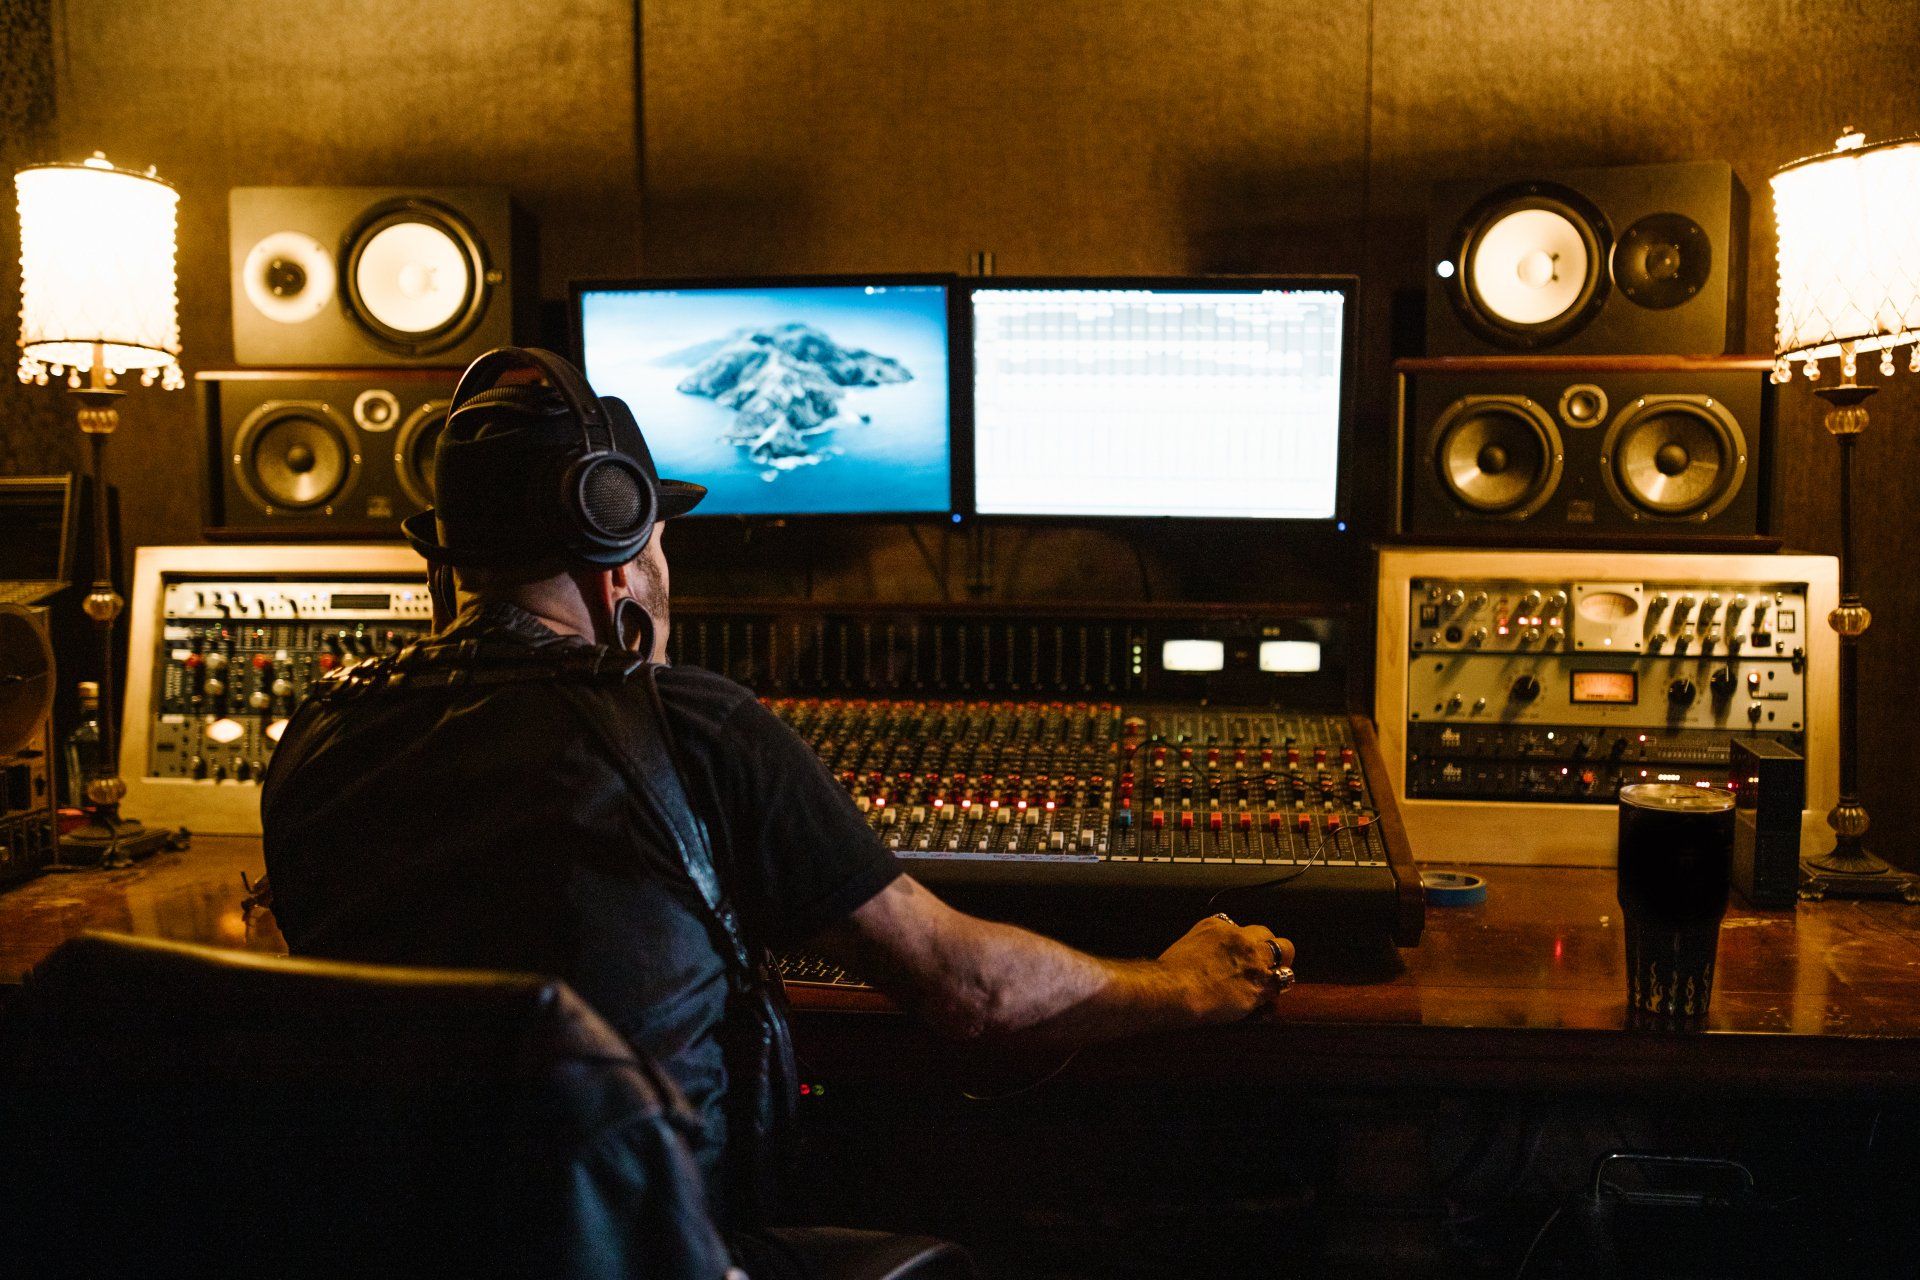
x,y
1279,956
1283,976
1221,915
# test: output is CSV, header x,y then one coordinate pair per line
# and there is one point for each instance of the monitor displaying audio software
x,y
793,397
1207,398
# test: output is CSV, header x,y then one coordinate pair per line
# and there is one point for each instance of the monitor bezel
x,y
959,434
1348,286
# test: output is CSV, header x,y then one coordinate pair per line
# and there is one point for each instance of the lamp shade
x,y
1849,255
97,272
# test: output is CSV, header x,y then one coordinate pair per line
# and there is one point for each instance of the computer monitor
x,y
787,397
1208,398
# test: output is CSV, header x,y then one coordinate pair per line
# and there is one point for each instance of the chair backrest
x,y
168,1109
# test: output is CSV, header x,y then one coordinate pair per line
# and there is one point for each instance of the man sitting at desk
x,y
469,805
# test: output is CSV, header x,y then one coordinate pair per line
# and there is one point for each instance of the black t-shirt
x,y
486,827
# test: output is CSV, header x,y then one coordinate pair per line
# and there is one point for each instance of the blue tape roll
x,y
1453,888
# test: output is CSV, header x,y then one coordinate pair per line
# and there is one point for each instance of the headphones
x,y
606,500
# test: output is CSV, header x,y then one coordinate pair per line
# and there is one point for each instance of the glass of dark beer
x,y
1676,847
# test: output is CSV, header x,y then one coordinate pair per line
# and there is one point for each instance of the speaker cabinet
x,y
320,453
1543,450
358,276
1643,260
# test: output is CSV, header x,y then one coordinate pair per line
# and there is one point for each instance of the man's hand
x,y
1230,968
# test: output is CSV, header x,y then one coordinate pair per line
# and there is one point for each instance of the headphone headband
x,y
485,373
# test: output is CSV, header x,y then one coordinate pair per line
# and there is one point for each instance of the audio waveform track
x,y
1175,402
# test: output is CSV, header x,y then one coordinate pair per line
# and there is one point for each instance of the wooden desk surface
x,y
1524,991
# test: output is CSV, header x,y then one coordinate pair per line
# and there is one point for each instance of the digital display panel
x,y
1606,686
783,399
1289,657
1206,399
1193,655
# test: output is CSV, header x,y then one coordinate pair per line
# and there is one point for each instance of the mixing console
x,y
1100,793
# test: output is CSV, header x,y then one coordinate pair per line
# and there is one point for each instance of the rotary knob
x,y
1456,598
1525,689
1681,692
1721,684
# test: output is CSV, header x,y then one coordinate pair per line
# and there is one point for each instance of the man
x,y
484,825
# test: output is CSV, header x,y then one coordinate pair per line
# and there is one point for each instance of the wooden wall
x,y
1066,136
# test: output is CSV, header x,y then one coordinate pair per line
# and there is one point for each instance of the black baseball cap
x,y
497,470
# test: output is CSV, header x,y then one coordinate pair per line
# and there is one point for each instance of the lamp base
x,y
1855,873
108,840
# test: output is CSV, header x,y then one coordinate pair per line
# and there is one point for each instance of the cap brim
x,y
677,497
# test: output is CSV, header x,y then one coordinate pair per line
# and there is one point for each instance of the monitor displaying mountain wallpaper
x,y
813,399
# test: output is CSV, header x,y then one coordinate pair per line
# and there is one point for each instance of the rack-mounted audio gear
x,y
1519,690
224,643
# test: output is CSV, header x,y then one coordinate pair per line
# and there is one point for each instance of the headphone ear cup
x,y
610,506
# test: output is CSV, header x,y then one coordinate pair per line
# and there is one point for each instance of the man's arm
x,y
974,978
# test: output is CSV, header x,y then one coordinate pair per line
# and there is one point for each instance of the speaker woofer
x,y
26,679
1498,456
294,455
1674,458
413,450
416,277
1662,260
1531,265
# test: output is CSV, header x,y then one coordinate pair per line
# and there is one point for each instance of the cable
x,y
937,572
1526,1259
1029,1087
1140,560
1313,860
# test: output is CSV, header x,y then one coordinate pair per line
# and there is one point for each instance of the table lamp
x,y
1849,261
97,301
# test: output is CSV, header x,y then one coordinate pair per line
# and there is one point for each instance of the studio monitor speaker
x,y
320,453
346,276
1642,260
1543,450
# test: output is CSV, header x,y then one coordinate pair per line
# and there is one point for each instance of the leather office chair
x,y
168,1109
